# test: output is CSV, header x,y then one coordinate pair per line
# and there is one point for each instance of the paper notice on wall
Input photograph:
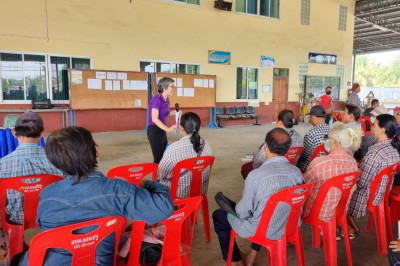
x,y
179,92
205,83
198,83
126,85
116,85
188,92
111,75
76,77
142,85
179,82
122,75
101,75
94,84
174,80
108,84
138,102
211,83
133,85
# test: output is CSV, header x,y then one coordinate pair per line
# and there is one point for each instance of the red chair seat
x,y
134,173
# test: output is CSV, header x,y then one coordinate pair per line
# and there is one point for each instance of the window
x,y
342,18
266,8
246,83
28,76
305,12
193,2
169,67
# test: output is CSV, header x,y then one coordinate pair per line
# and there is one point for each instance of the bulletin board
x,y
191,90
107,89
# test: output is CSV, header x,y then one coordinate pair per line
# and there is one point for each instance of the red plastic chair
x,y
178,236
337,116
317,151
31,193
82,246
277,248
196,166
345,184
134,173
293,154
364,120
381,213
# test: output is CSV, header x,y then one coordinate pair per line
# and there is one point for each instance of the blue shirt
x,y
158,102
97,196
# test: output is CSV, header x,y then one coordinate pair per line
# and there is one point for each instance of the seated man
x,y
27,159
374,104
275,174
315,137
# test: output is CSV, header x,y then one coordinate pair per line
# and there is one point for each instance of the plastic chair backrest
x,y
196,166
81,245
239,110
230,110
345,184
219,110
338,116
317,151
134,173
31,193
178,235
364,120
293,154
249,109
295,197
389,171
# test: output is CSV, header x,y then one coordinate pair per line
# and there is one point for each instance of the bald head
x,y
278,141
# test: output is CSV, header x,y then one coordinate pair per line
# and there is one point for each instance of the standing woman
x,y
159,110
353,98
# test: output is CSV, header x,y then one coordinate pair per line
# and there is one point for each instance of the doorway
x,y
280,91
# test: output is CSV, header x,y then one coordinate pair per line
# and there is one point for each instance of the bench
x,y
236,113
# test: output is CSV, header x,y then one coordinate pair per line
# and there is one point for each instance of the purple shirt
x,y
158,102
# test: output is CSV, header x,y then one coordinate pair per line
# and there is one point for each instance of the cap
x,y
33,118
317,110
379,111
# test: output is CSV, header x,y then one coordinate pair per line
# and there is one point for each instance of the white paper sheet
x,y
101,75
205,83
188,92
111,75
211,83
179,92
133,85
122,75
143,85
109,85
177,120
179,82
116,85
126,85
94,84
138,102
198,83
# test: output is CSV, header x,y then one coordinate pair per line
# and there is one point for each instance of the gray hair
x,y
349,137
164,83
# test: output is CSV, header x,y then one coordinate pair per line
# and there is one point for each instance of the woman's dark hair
x,y
164,83
28,131
73,151
191,124
278,141
388,122
287,118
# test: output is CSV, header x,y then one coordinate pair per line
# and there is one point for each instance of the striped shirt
x,y
379,156
272,176
176,152
297,141
27,159
322,169
314,138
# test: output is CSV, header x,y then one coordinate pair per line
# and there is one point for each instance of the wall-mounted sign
x,y
219,57
267,61
317,58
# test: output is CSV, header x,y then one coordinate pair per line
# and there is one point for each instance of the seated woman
x,y
189,146
379,156
341,143
285,121
86,194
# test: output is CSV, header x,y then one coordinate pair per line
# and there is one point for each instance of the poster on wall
x,y
219,57
267,61
318,58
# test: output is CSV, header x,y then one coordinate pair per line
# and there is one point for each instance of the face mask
x,y
372,119
327,148
328,92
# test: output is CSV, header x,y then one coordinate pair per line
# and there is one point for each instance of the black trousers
x,y
327,119
158,141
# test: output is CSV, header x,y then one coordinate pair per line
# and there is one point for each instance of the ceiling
x,y
377,26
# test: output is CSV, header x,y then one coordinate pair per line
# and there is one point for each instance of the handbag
x,y
225,203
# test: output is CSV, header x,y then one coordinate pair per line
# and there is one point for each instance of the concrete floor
x,y
229,144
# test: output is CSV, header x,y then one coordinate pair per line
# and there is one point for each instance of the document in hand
x,y
225,203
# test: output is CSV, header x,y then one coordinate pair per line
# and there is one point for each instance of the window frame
x,y
258,11
170,65
184,3
48,75
247,77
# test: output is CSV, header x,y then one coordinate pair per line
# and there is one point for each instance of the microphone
x,y
177,107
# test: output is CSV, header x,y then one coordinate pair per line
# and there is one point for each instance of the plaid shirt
x,y
322,169
379,156
176,152
314,138
27,159
297,141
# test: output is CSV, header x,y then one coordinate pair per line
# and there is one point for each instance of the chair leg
x,y
316,237
370,216
380,227
388,222
330,246
347,241
206,218
299,249
230,252
394,210
278,250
